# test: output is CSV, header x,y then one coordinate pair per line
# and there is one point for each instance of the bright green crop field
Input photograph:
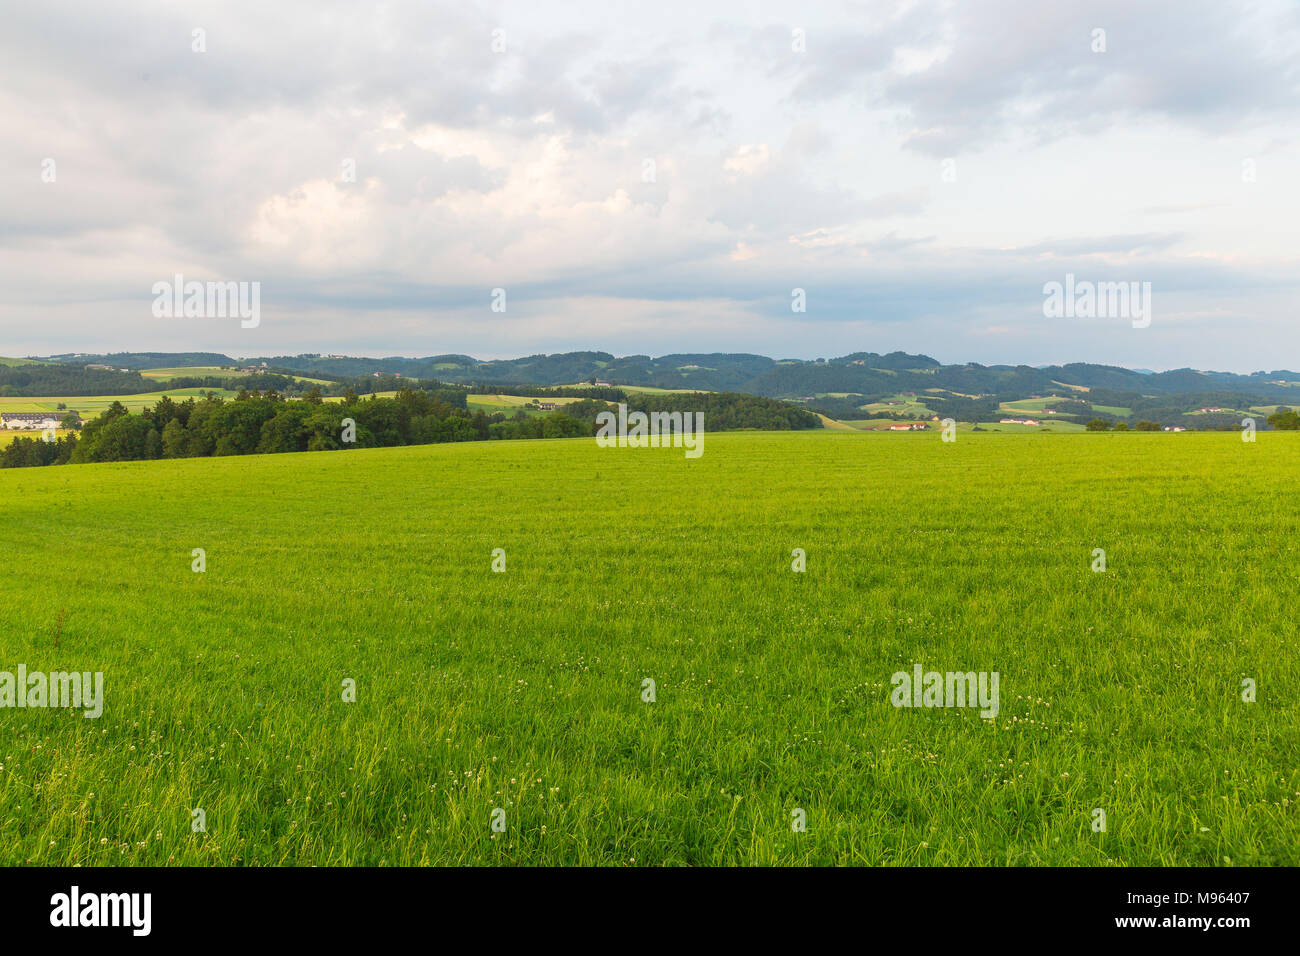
x,y
89,406
524,691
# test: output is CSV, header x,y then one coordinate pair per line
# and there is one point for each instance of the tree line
x,y
268,423
32,381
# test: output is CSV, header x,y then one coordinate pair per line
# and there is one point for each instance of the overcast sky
x,y
919,169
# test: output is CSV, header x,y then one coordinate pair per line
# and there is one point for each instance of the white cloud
x,y
528,170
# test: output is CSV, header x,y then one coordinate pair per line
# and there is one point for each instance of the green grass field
x,y
1036,406
908,409
1045,423
88,406
164,374
1030,404
9,434
200,371
339,398
509,404
14,362
652,390
882,424
523,690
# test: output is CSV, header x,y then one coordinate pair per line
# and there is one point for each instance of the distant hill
x,y
864,373
713,371
143,361
40,378
860,385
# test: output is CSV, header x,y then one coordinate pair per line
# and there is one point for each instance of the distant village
x,y
35,421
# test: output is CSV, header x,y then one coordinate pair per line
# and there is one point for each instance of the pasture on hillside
x,y
9,434
511,404
1036,407
89,406
216,371
525,691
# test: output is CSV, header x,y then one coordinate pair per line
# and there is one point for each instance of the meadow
x,y
524,691
1035,407
167,374
216,371
89,406
510,404
1045,424
9,434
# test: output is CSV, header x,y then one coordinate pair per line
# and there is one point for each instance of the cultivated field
x,y
523,690
510,404
166,374
1046,424
89,406
1035,407
200,371
9,434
